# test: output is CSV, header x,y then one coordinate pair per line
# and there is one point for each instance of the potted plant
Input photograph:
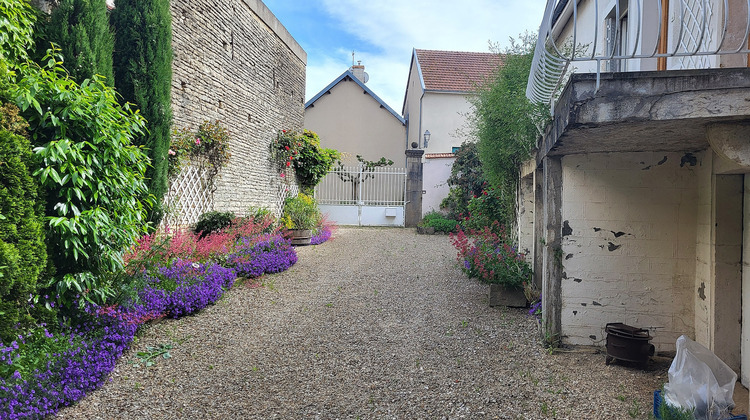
x,y
490,258
300,217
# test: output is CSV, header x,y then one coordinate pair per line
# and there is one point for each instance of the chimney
x,y
359,72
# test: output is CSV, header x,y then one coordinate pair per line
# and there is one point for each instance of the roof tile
x,y
456,71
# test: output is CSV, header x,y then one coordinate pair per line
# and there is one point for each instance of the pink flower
x,y
282,175
172,152
198,141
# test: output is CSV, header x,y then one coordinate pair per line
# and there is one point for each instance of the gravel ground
x,y
377,323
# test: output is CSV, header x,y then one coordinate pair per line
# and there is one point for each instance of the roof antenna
x,y
352,57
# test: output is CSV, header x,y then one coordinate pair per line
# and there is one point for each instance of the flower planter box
x,y
504,296
300,237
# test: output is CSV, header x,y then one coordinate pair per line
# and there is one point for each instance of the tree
x,y
466,181
22,251
505,122
143,76
80,28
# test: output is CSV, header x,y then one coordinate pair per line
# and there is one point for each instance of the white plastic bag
x,y
699,380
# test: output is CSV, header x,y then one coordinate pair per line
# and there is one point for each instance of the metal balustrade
x,y
602,36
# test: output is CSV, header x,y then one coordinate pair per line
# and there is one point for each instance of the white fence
x,y
363,196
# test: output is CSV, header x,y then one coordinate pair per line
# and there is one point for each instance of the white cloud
x,y
392,28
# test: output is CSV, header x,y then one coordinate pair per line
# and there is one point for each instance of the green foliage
x,y
92,174
489,209
143,76
17,20
439,222
80,28
505,122
207,148
302,151
22,250
213,221
671,412
466,181
313,162
301,212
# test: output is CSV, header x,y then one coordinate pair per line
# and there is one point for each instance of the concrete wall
x,y
436,173
354,123
235,62
628,247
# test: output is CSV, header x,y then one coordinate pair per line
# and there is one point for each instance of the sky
x,y
383,33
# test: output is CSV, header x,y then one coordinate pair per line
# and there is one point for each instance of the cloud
x,y
384,33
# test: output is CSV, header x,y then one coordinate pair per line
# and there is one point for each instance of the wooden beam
x,y
661,62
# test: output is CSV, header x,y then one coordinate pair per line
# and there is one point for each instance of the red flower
x,y
484,192
289,163
286,147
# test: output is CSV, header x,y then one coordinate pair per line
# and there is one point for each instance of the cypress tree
x,y
81,29
22,252
143,76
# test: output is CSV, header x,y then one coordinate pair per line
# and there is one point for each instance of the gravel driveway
x,y
377,323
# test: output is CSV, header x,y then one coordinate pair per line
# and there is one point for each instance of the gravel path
x,y
377,323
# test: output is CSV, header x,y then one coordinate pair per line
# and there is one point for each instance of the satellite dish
x,y
367,77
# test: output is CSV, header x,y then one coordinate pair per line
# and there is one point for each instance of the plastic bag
x,y
701,381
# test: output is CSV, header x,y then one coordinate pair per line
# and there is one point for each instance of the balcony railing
x,y
634,35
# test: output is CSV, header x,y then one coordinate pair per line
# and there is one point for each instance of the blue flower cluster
x,y
185,287
71,374
93,347
253,257
321,236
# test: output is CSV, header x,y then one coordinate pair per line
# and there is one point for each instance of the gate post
x,y
413,205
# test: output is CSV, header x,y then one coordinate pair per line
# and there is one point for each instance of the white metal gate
x,y
362,196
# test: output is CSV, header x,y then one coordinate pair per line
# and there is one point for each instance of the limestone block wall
x,y
629,244
235,62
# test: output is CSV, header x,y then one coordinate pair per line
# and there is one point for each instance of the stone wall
x,y
235,62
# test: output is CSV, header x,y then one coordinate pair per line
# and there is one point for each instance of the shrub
x,y
489,209
490,258
439,222
212,221
301,212
92,175
17,20
22,250
466,180
81,29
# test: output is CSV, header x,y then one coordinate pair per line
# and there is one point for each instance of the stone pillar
x,y
538,227
552,251
413,210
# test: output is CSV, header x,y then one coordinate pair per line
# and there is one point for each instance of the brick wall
x,y
629,244
235,62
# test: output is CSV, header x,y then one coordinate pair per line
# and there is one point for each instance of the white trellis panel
x,y
188,197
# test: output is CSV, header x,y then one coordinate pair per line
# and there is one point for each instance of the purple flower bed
x,y
270,254
321,236
69,375
185,287
79,361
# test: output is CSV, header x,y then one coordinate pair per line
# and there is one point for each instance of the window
x,y
455,149
617,36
